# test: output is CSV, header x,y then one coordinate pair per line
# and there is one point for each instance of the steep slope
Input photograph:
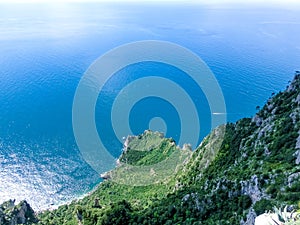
x,y
11,214
257,165
239,171
256,168
145,175
148,159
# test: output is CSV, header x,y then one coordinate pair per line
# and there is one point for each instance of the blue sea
x,y
253,51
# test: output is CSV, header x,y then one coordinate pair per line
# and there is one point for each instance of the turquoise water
x,y
45,49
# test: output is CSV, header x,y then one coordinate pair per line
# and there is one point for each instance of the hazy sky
x,y
160,1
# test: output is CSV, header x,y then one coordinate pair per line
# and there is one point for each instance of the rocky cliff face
x,y
11,214
257,165
238,172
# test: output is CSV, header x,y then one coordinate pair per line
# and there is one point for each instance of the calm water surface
x,y
45,49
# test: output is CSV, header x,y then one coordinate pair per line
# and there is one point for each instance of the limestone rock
x,y
250,218
11,214
251,188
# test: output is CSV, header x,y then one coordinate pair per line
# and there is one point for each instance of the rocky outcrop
x,y
11,214
226,178
297,153
105,175
295,85
293,178
257,120
194,198
251,188
250,218
127,141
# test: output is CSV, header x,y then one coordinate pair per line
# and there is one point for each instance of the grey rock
x,y
293,85
251,188
298,142
106,175
267,151
293,177
294,115
250,218
187,147
257,120
11,214
127,141
297,100
194,198
270,107
297,155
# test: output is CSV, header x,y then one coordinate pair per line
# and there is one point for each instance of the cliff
x,y
238,172
11,214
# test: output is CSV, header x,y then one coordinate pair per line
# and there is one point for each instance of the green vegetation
x,y
147,149
16,214
224,181
252,167
287,218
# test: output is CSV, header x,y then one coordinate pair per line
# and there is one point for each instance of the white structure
x,y
267,219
